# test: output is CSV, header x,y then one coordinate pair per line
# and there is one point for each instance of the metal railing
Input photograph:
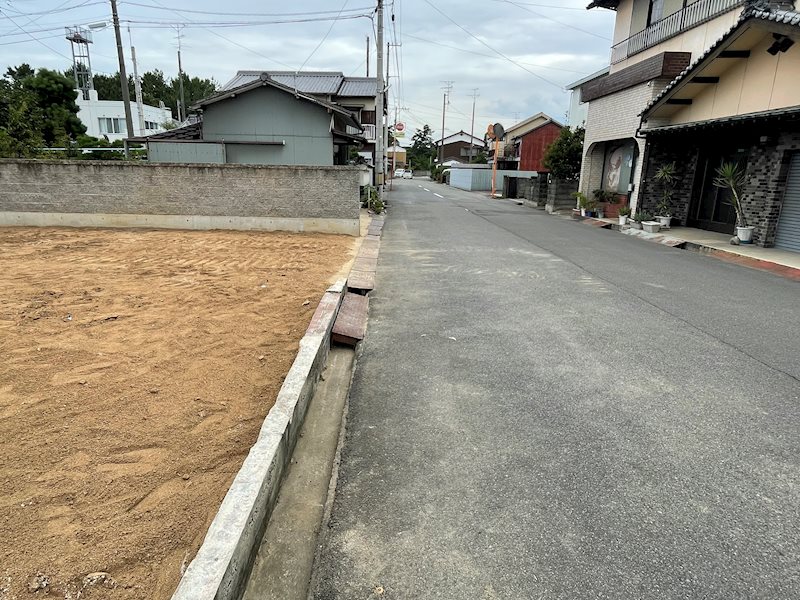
x,y
368,133
693,15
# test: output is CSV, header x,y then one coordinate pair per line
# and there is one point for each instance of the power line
x,y
543,16
581,8
35,39
51,11
246,14
511,60
493,57
230,41
324,37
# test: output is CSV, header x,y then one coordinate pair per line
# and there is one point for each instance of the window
x,y
656,11
150,125
618,166
112,125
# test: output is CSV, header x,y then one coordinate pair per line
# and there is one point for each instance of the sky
x,y
518,54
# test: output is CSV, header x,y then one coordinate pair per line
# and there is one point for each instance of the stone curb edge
x,y
222,565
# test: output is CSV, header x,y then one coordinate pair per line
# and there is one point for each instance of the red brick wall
x,y
534,145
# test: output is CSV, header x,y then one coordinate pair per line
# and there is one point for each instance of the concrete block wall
x,y
298,198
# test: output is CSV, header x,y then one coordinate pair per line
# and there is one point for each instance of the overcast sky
x,y
546,44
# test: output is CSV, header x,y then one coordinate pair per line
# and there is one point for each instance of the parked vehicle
x,y
399,172
408,174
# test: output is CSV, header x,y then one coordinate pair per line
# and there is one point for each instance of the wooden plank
x,y
351,322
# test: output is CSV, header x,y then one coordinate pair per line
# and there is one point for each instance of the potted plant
x,y
583,202
667,177
651,226
624,213
602,198
639,218
730,177
591,208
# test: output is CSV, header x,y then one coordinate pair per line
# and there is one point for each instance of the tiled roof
x,y
187,132
792,111
323,83
307,82
265,80
778,16
358,87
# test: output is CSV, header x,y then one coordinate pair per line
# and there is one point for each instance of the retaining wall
x,y
182,196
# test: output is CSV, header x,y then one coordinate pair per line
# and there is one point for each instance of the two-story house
x,y
738,103
653,42
525,143
459,147
356,94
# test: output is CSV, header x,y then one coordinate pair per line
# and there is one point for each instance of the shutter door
x,y
788,235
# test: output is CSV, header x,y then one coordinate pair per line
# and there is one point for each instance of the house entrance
x,y
712,207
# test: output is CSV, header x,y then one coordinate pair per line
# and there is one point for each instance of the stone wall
x,y
561,195
191,196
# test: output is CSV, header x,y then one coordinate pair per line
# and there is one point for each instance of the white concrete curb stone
x,y
220,569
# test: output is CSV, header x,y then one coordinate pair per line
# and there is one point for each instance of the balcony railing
x,y
693,15
368,133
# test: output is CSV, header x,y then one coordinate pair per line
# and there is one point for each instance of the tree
x,y
19,112
423,150
55,96
563,157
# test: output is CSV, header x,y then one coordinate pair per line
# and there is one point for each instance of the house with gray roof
x,y
263,121
356,94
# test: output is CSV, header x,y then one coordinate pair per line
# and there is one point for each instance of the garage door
x,y
788,237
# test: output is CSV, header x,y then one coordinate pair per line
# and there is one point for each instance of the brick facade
x,y
770,149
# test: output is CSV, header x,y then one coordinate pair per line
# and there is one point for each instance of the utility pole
x,y
380,164
137,87
472,126
367,56
123,76
386,170
448,85
182,107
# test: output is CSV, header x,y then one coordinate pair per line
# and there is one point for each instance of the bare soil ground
x,y
136,368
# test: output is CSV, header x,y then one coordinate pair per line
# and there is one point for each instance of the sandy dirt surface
x,y
137,367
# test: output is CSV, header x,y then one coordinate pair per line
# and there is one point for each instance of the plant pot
x,y
745,234
665,221
600,214
583,212
651,226
623,220
636,224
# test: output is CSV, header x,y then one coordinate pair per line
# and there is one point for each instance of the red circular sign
x,y
400,127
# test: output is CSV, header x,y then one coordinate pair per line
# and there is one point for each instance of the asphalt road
x,y
546,410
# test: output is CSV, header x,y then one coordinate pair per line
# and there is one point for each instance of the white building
x,y
579,110
106,118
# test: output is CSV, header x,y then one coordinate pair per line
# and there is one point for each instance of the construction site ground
x,y
138,366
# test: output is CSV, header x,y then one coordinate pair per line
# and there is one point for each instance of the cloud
x,y
548,54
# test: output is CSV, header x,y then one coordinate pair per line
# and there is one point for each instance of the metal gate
x,y
788,234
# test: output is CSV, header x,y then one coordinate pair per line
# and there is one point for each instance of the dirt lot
x,y
137,367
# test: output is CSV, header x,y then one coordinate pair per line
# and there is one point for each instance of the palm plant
x,y
667,177
730,177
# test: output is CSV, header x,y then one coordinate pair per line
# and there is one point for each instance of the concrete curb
x,y
221,567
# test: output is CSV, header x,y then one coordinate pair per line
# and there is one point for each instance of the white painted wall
x,y
92,110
